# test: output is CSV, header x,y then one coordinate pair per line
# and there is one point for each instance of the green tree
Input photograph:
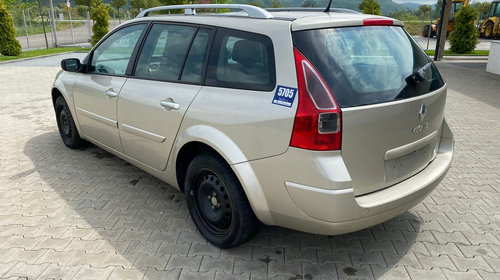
x,y
370,7
464,37
87,3
483,9
99,13
276,4
308,4
424,10
137,5
8,43
436,12
117,4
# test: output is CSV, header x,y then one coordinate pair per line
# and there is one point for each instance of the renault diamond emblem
x,y
421,113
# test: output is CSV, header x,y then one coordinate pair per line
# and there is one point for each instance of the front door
x,y
153,102
96,92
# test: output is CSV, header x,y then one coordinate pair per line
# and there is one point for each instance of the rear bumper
x,y
333,208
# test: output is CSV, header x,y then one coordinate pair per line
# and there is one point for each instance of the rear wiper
x,y
418,76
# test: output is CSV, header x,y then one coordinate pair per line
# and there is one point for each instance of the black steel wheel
x,y
217,203
66,125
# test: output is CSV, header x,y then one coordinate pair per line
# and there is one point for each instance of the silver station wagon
x,y
320,121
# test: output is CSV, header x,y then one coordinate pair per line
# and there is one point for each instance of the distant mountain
x,y
412,6
386,6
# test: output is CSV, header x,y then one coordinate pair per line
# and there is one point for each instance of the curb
x,y
466,57
36,57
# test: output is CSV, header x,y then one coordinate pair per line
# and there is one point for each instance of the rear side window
x,y
196,58
368,64
164,51
241,60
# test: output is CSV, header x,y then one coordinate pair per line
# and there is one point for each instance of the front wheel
x,y
66,125
488,30
217,203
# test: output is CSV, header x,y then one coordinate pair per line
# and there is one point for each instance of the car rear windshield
x,y
369,64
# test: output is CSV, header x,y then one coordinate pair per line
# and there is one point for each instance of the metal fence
x,y
63,28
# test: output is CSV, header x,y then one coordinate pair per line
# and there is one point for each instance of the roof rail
x,y
252,11
300,9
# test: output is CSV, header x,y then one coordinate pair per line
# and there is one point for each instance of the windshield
x,y
368,64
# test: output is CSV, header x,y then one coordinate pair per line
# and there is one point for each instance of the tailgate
x,y
386,143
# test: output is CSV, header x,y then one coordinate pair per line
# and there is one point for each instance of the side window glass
x,y
242,60
113,55
164,51
196,57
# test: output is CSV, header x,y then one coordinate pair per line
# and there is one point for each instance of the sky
x,y
430,1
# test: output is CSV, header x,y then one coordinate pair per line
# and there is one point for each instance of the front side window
x,y
113,54
164,52
241,60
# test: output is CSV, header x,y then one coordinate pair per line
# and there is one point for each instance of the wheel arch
x,y
186,154
191,144
55,93
485,23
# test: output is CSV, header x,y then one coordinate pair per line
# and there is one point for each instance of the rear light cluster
x,y
318,119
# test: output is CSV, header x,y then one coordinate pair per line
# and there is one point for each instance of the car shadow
x,y
141,222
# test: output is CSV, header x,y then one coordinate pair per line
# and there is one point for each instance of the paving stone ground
x,y
85,214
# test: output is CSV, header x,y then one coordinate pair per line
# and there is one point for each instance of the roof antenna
x,y
327,9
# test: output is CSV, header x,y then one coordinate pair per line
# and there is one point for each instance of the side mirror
x,y
71,64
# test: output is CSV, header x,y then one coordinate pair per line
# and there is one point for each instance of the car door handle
x,y
110,93
170,105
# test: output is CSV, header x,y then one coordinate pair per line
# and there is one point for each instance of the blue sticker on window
x,y
284,96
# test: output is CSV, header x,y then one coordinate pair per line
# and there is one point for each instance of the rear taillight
x,y
318,120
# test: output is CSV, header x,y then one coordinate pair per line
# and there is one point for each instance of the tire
x,y
488,30
425,31
217,203
66,125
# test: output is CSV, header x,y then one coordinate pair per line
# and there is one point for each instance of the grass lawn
x,y
41,52
474,53
36,27
414,28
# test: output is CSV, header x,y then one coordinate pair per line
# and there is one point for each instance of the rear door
x,y
391,115
153,102
96,92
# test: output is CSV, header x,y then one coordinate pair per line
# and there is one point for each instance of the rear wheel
x,y
488,30
66,125
217,203
427,31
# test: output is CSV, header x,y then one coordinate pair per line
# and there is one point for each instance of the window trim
x,y
90,56
243,86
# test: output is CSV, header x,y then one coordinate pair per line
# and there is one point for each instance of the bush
x,y
464,37
99,14
9,46
369,7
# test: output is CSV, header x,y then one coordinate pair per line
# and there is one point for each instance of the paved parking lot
x,y
89,215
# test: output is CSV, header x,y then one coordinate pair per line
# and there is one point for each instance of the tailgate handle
x,y
408,148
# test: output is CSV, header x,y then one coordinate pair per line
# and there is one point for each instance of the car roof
x,y
296,18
